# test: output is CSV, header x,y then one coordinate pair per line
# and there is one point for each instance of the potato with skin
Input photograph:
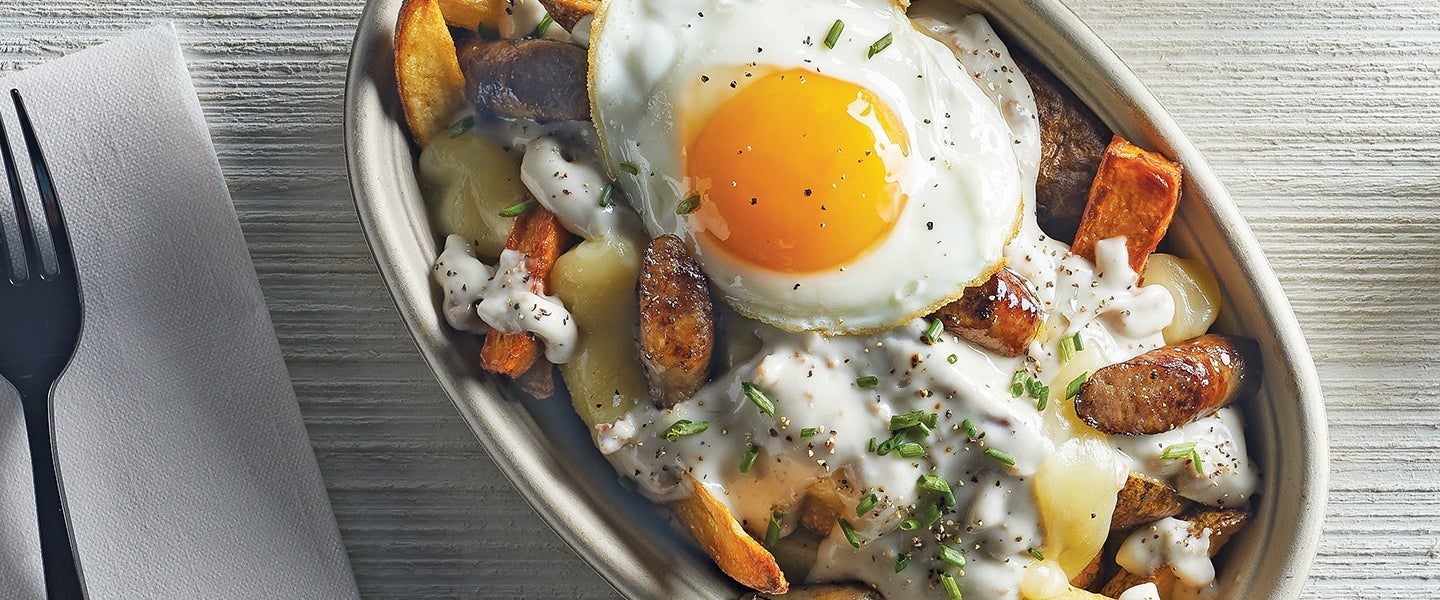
x,y
1145,500
471,14
427,71
1001,315
1170,386
1134,195
722,537
466,181
568,12
677,322
537,79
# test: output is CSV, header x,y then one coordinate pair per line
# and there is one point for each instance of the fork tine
x,y
22,216
59,235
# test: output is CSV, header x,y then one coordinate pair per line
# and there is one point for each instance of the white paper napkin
x,y
185,461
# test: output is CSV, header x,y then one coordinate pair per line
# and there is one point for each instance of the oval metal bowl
x,y
547,454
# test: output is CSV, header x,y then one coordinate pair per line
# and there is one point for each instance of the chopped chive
x,y
952,588
463,125
834,34
1078,343
747,460
630,168
626,482
906,420
868,381
911,450
919,432
968,428
866,504
543,27
1033,386
931,515
849,532
682,428
772,531
515,210
809,432
1000,456
605,194
1184,450
871,446
932,332
901,561
880,45
1017,383
952,359
931,420
758,398
1067,349
888,445
1073,388
688,205
1035,553
909,525
933,483
1043,401
952,555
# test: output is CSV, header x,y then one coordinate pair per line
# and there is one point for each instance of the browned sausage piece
x,y
677,323
1145,500
1072,140
822,591
535,79
1001,315
1170,386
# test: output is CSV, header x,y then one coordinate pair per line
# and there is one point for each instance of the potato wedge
x,y
720,535
822,591
537,233
1145,500
677,322
1001,315
1170,386
427,70
544,80
1134,194
568,12
470,14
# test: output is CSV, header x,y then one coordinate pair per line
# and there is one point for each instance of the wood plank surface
x,y
1322,117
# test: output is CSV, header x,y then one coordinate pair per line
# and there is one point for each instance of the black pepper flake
x,y
930,225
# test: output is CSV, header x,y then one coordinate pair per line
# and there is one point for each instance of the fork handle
x,y
62,573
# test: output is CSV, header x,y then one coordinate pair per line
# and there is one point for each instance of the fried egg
x,y
832,168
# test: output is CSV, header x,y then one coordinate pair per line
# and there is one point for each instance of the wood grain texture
x,y
1322,117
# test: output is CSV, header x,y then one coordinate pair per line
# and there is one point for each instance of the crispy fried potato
x,y
1001,315
734,551
796,553
537,233
1072,140
1134,195
535,79
568,12
427,70
470,14
1092,575
1145,500
1170,386
677,322
1219,524
823,591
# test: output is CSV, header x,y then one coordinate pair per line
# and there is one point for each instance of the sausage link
x,y
1170,386
1001,315
677,323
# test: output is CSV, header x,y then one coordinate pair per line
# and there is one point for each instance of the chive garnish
x,y
515,210
866,503
747,460
1035,553
952,589
932,332
880,45
849,532
868,381
629,168
933,483
1073,389
809,432
1017,383
758,398
834,34
1067,348
688,205
871,447
931,515
682,428
968,428
1043,401
888,445
543,26
772,531
952,359
1078,343
605,194
906,420
909,525
901,561
952,555
1184,450
1000,456
910,450
463,125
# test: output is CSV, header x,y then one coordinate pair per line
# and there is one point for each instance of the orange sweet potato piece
x,y
1134,195
538,234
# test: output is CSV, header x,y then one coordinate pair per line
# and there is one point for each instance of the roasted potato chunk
x,y
677,322
1001,315
1134,195
470,14
568,12
1144,500
1170,386
427,70
535,79
720,535
596,281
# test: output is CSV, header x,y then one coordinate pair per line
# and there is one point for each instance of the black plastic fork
x,y
40,318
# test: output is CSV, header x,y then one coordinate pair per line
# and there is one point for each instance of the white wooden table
x,y
1323,117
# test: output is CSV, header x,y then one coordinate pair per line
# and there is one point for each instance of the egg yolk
x,y
797,172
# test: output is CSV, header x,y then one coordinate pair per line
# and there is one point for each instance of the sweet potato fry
x,y
1134,195
1001,315
677,322
1145,500
427,70
538,234
1170,386
720,535
568,12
